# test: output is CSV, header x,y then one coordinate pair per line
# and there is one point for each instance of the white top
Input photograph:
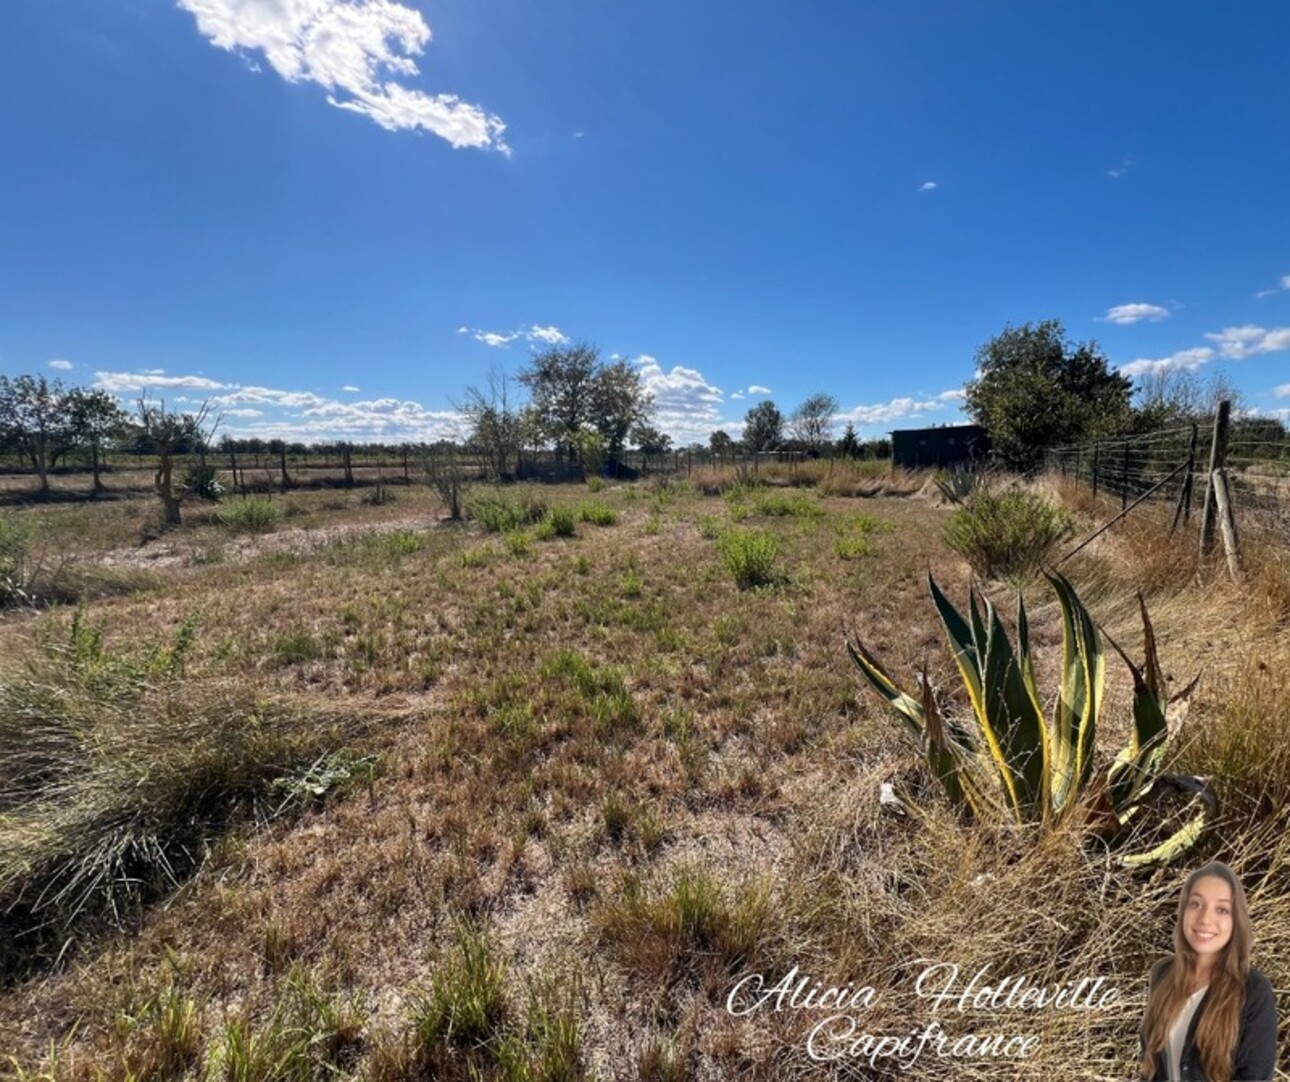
x,y
1178,1033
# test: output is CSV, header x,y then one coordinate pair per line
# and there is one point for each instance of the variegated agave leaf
x,y
909,708
1156,718
1200,809
1079,700
950,761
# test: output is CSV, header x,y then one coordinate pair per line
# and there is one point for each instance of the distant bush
x,y
750,555
252,513
202,482
597,513
1006,533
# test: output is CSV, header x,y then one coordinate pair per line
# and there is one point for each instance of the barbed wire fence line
x,y
1220,476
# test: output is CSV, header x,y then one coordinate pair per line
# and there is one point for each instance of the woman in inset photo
x,y
1211,1016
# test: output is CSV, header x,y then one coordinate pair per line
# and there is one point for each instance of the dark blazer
x,y
1256,1040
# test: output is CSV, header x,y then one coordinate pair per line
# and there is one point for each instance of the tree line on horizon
x,y
1033,390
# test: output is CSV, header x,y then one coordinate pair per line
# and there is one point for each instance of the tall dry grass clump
x,y
116,769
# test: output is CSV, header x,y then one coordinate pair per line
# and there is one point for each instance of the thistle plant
x,y
1020,765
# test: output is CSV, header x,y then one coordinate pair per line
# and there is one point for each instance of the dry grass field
x,y
347,790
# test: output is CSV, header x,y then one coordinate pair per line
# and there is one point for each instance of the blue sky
x,y
334,216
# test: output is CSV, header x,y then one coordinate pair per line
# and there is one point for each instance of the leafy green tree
x,y
561,384
619,403
571,389
97,420
496,425
650,441
812,421
1036,390
849,444
37,417
720,443
763,427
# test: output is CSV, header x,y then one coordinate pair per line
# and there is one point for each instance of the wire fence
x,y
1173,465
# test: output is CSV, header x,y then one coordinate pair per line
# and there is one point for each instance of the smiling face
x,y
1207,918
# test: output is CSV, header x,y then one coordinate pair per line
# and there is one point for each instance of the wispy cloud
x,y
355,50
1238,343
349,388
1184,360
550,336
1118,171
927,186
1281,287
62,366
128,382
757,388
899,408
736,394
1283,391
1124,314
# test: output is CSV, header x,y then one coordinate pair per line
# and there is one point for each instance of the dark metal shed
x,y
948,445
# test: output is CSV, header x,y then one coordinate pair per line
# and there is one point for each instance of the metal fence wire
x,y
1173,465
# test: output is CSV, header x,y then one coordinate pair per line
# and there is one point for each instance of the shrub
x,y
1008,533
251,513
202,482
559,522
750,555
15,550
597,513
500,513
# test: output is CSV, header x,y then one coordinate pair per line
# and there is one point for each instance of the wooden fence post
x,y
1096,447
1217,460
1189,485
1227,523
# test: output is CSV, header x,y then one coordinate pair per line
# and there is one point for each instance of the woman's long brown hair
x,y
1217,1030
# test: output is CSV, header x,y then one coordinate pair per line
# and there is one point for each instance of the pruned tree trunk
x,y
97,486
166,492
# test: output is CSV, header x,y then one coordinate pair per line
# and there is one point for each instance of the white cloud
x,y
245,412
1283,391
350,388
927,186
897,409
1282,286
757,388
1125,314
736,394
126,382
1118,171
1184,360
350,48
550,335
62,366
955,395
686,406
1241,342
497,341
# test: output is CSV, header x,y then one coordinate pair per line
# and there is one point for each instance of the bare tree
x,y
811,422
170,434
496,424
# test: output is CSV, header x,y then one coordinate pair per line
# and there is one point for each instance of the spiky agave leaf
x,y
1032,692
1079,700
1011,725
1201,808
950,761
1138,761
881,680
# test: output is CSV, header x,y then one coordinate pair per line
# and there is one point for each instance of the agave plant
x,y
1023,766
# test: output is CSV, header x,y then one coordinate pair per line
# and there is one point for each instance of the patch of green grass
x,y
296,646
602,688
597,513
750,556
503,513
253,514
